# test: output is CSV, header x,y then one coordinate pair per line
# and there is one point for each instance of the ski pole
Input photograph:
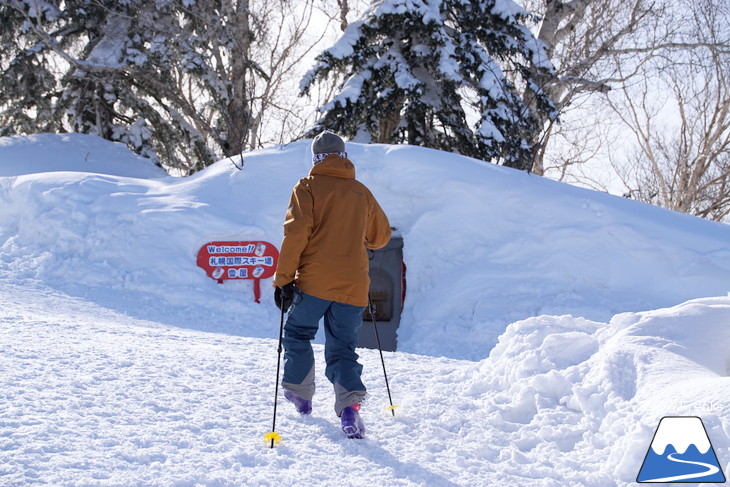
x,y
380,349
273,436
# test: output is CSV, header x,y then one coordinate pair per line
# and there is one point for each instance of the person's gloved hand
x,y
284,296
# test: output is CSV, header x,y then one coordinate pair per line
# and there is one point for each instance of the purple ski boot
x,y
352,423
303,406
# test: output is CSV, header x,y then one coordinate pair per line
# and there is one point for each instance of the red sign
x,y
239,260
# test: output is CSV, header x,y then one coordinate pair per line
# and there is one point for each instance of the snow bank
x,y
600,390
29,154
484,245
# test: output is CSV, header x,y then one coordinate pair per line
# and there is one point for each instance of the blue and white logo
x,y
680,452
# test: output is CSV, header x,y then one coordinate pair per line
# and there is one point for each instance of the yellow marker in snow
x,y
273,437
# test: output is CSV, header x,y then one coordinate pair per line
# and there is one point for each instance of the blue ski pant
x,y
341,325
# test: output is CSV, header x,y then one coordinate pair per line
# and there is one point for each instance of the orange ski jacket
x,y
331,220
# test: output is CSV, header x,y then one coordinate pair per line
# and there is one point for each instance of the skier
x,y
323,272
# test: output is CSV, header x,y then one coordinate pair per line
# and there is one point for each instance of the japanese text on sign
x,y
238,260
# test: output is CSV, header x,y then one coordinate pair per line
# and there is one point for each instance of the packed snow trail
x,y
97,397
92,396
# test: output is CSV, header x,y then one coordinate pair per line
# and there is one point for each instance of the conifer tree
x,y
182,81
455,75
65,67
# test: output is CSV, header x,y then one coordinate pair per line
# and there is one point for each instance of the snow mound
x,y
484,245
596,391
28,154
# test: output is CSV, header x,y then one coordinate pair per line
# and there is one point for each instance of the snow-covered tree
x,y
67,66
28,74
187,81
455,75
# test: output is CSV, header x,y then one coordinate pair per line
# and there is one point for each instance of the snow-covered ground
x,y
526,354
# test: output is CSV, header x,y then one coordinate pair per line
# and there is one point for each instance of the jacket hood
x,y
334,165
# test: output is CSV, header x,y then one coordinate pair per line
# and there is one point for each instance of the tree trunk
x,y
238,117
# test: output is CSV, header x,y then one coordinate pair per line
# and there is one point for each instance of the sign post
x,y
239,260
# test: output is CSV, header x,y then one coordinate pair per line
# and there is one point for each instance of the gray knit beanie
x,y
327,143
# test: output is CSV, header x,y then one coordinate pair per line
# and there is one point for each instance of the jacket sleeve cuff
x,y
281,280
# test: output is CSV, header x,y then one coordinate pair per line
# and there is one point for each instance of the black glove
x,y
284,296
